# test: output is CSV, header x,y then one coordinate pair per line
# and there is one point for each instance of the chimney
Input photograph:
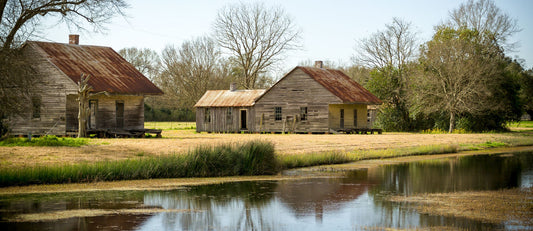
x,y
318,64
233,87
74,39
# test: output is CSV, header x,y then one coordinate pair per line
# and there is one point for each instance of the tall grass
x,y
295,161
251,158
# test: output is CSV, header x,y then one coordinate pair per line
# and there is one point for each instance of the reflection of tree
x,y
211,205
484,172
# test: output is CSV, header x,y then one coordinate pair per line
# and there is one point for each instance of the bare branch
x,y
256,36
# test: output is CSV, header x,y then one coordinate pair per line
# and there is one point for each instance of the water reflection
x,y
353,201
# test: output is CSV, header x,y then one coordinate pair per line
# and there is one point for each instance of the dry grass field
x,y
180,138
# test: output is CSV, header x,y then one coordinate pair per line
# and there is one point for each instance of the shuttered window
x,y
229,116
207,115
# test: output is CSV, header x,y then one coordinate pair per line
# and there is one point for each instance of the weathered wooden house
x,y
59,67
306,100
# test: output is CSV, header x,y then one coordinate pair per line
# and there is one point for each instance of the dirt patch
x,y
512,206
181,141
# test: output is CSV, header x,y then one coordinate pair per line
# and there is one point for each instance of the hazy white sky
x,y
330,29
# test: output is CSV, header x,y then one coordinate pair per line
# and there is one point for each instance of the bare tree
x,y
145,60
189,71
16,79
484,16
257,36
19,19
457,74
389,53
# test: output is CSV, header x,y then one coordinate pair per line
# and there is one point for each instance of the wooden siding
x,y
219,119
293,92
106,111
59,107
52,87
334,116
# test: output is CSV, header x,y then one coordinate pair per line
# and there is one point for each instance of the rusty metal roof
x,y
108,70
227,98
341,85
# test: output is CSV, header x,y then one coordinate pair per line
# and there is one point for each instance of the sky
x,y
330,29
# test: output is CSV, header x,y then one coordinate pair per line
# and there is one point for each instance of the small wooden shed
x,y
227,110
59,67
306,100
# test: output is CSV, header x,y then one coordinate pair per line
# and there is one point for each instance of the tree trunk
x,y
452,122
83,102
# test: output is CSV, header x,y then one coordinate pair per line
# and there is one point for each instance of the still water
x,y
350,201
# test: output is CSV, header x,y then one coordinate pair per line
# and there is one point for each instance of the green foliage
x,y
251,158
440,131
393,119
45,141
483,122
166,114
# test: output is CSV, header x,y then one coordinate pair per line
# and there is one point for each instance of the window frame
x,y
278,113
36,104
304,114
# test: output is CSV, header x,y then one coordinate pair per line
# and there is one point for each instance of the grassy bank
x,y
251,158
296,161
45,141
130,159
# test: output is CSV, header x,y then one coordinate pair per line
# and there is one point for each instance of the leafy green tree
x,y
463,74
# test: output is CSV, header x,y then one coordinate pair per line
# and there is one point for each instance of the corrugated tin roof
x,y
341,85
108,70
227,98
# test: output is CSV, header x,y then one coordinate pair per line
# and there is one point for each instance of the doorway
x,y
243,120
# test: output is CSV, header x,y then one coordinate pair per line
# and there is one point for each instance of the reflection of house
x,y
319,195
58,70
306,100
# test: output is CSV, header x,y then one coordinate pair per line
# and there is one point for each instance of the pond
x,y
352,200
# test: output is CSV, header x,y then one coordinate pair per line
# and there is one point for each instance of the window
x,y
354,118
229,116
342,118
207,115
277,113
36,107
303,113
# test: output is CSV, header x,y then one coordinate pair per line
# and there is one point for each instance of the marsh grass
x,y
250,158
336,157
510,206
47,141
